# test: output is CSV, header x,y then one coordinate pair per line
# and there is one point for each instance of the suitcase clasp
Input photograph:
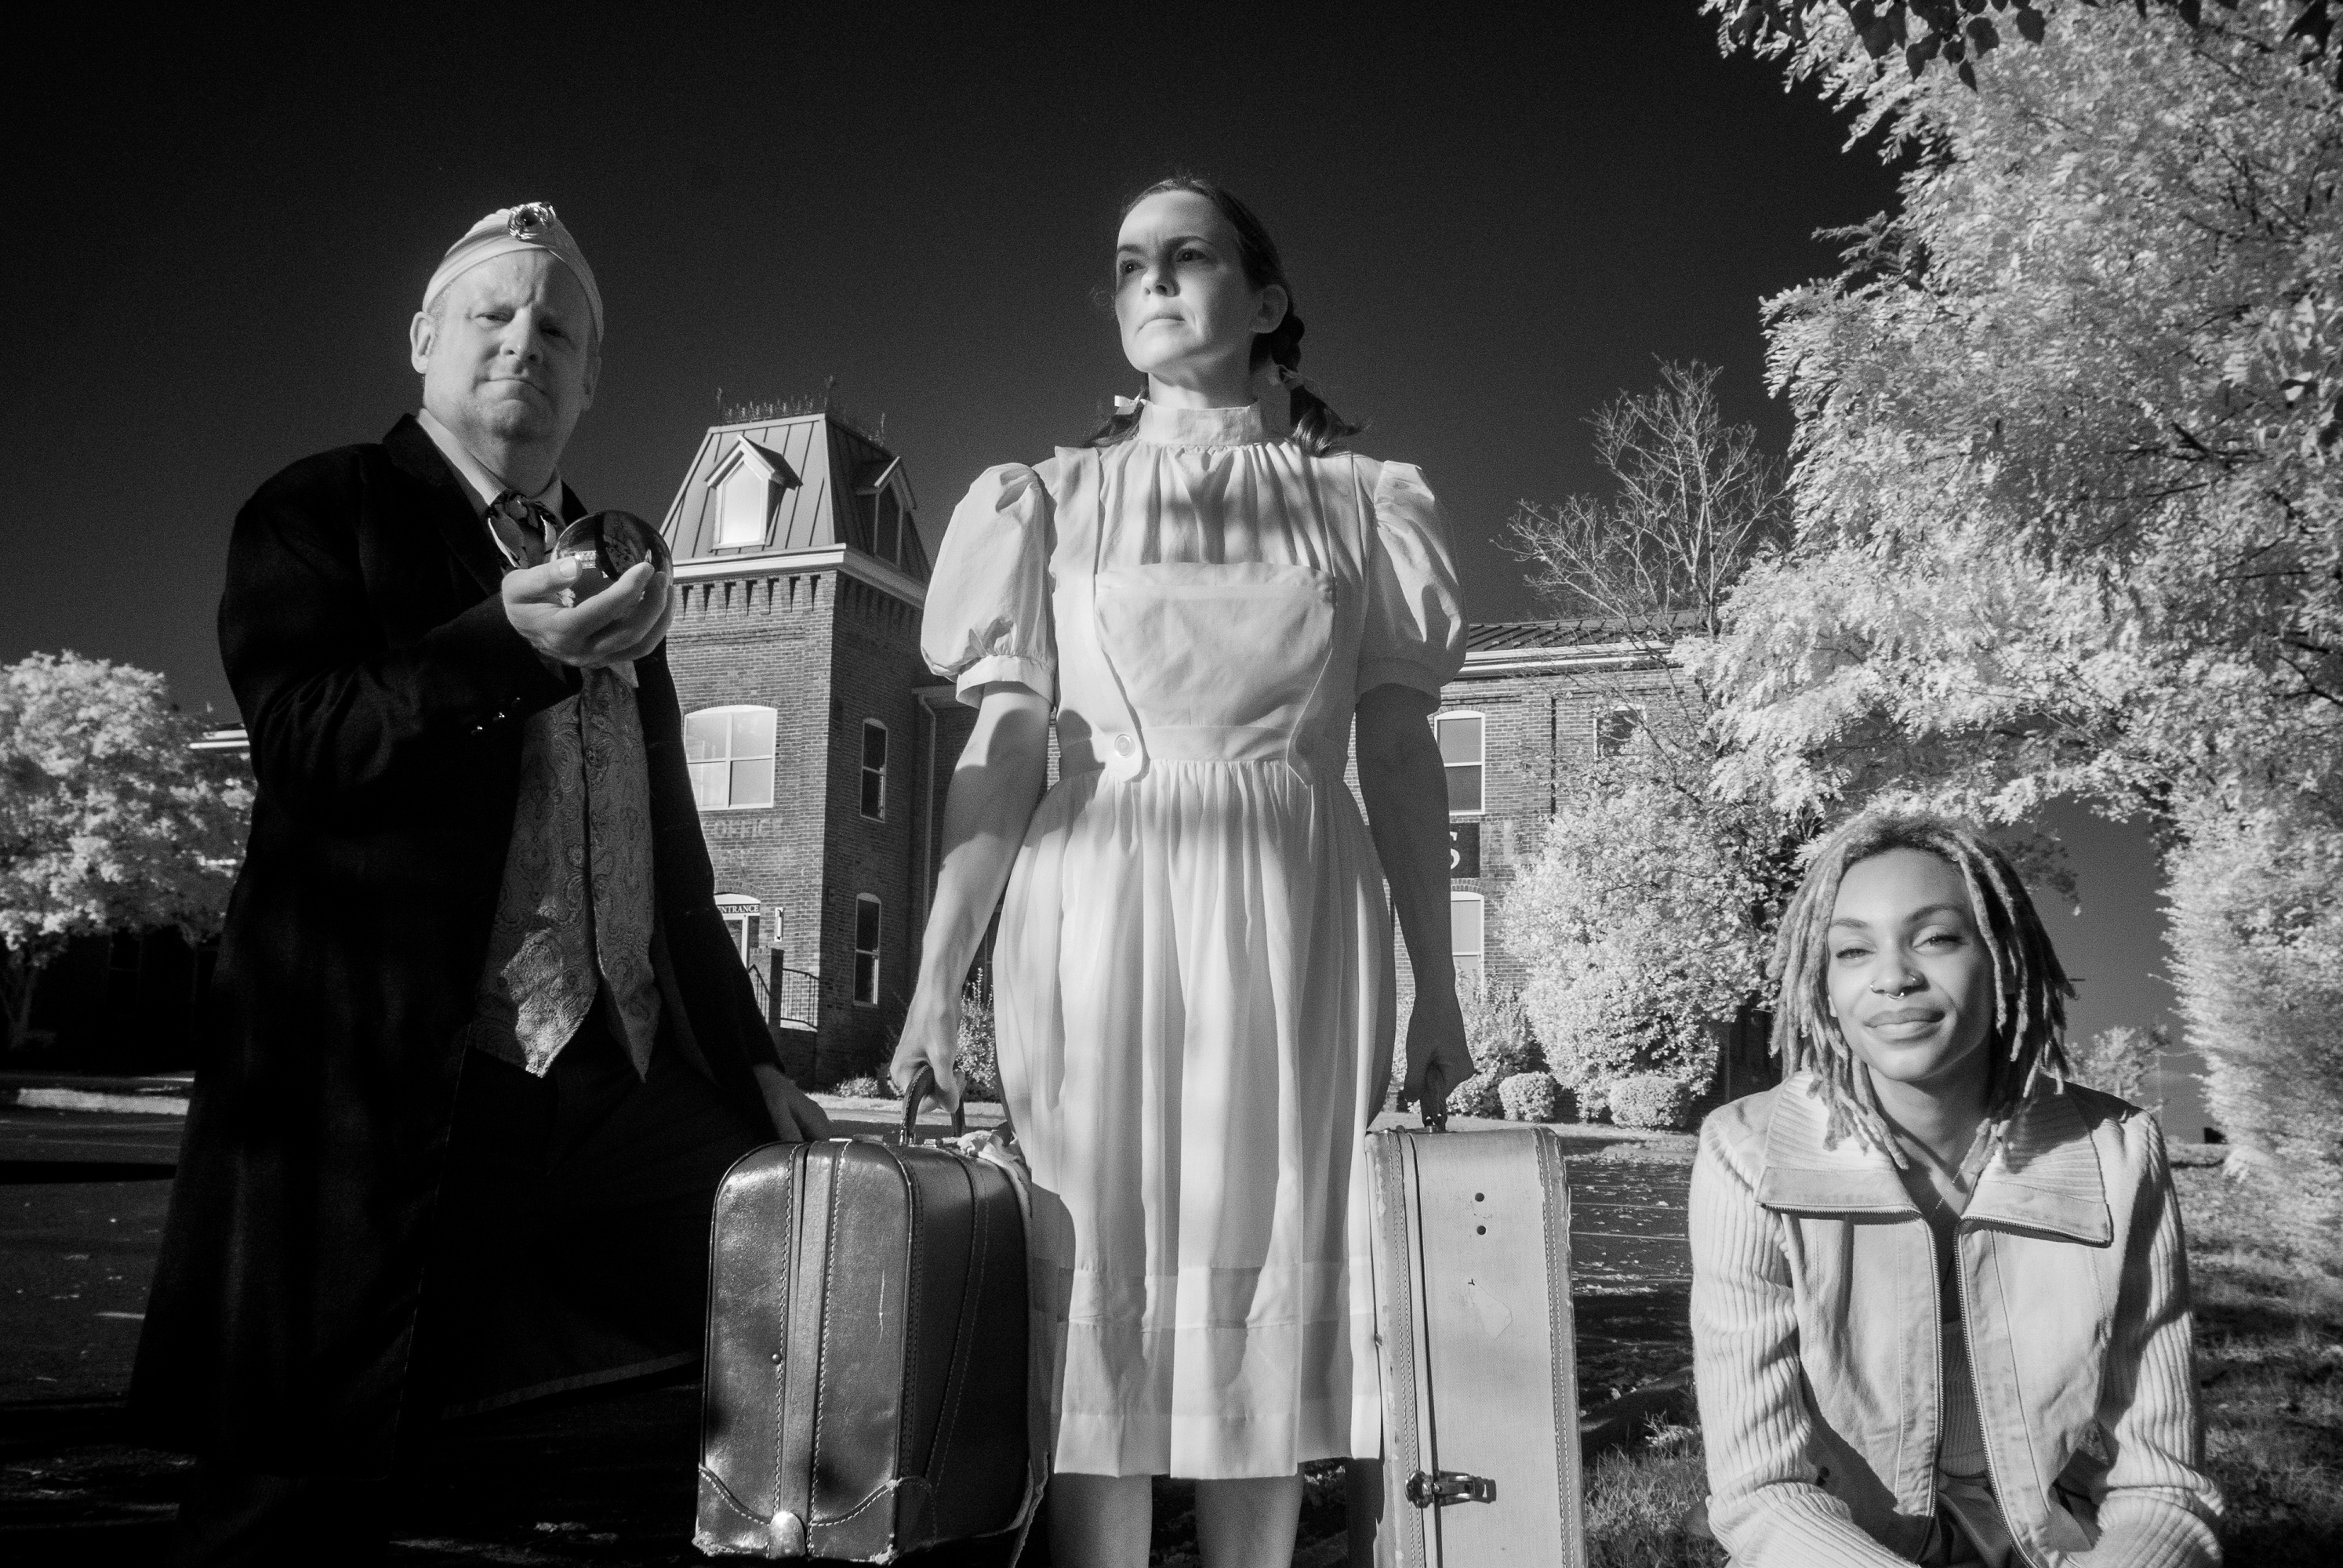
x,y
1443,1487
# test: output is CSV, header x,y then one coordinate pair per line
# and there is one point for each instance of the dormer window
x,y
882,504
742,491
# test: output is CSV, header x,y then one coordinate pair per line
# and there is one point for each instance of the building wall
x,y
1540,730
768,642
874,671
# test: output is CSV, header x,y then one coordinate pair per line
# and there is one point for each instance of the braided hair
x,y
1317,429
2030,988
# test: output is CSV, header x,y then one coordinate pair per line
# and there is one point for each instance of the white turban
x,y
531,226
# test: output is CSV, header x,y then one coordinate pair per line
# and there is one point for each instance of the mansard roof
x,y
825,471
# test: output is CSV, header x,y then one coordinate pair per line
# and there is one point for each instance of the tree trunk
x,y
18,976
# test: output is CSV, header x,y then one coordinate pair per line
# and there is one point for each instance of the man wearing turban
x,y
482,1048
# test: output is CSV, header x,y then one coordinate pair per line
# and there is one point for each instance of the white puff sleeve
x,y
1415,633
987,612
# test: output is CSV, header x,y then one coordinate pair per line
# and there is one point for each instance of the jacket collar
x,y
455,509
2042,1176
414,452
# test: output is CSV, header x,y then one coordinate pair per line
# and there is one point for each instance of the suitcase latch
x,y
1443,1487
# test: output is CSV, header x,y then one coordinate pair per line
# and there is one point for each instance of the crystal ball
x,y
604,545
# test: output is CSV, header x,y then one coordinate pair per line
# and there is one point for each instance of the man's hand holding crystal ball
x,y
622,622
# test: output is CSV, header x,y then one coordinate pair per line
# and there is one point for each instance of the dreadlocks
x,y
2029,986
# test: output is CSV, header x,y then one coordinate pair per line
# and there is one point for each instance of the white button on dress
x,y
1192,975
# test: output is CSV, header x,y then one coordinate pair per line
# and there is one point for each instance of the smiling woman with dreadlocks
x,y
1940,1309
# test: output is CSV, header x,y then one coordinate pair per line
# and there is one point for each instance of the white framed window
x,y
866,948
1467,938
874,769
1617,727
744,506
1464,754
742,917
741,492
729,752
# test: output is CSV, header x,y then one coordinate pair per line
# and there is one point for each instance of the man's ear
x,y
593,376
421,333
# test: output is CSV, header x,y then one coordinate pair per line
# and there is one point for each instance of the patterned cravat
x,y
525,529
575,914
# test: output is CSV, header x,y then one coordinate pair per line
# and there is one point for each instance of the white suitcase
x,y
1472,1265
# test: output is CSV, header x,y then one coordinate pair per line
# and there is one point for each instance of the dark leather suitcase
x,y
865,1390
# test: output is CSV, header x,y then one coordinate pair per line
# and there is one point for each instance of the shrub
x,y
865,1088
1651,1100
1531,1097
977,1061
1476,1096
1497,1031
2117,1060
2257,934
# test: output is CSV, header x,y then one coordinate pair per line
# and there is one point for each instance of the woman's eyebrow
x,y
1127,248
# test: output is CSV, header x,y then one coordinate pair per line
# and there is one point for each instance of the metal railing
x,y
794,996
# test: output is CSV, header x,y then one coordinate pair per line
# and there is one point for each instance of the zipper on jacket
x,y
1968,1349
1936,1345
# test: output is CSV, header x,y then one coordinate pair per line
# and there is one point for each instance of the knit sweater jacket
x,y
1815,1314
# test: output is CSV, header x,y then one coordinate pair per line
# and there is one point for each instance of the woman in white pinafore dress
x,y
1194,970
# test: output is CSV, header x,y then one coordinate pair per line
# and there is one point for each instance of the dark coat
x,y
384,691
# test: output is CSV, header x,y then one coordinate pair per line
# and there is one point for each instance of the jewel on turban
x,y
531,226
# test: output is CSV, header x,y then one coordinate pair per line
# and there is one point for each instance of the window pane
x,y
703,737
1616,731
866,925
1464,925
1459,739
753,782
752,732
874,793
742,507
874,744
1464,789
866,978
708,784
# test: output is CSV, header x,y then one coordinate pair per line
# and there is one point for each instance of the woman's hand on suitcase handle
x,y
930,1035
1435,1033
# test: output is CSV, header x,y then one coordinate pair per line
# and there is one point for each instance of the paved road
x,y
82,1200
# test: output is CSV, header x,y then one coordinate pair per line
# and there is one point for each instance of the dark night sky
x,y
1495,218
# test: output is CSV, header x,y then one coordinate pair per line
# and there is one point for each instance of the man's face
x,y
507,353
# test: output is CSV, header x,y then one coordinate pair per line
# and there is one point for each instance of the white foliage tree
x,y
108,821
2068,513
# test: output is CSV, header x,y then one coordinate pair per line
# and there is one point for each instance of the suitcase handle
x,y
1433,1102
923,1087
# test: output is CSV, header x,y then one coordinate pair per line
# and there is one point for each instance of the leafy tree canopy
x,y
108,821
2067,512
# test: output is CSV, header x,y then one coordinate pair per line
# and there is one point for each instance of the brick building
x,y
799,576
